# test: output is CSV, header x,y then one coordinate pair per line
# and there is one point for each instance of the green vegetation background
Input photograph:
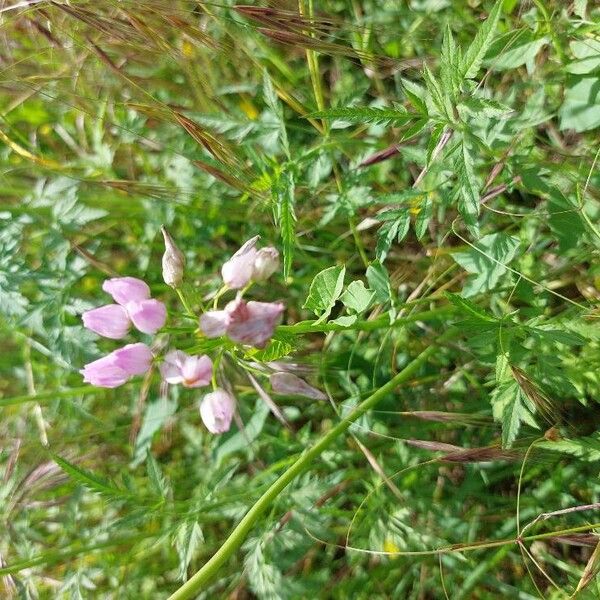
x,y
446,154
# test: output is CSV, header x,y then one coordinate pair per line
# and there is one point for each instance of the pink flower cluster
x,y
216,408
133,305
251,323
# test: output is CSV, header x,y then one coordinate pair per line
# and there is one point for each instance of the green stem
x,y
236,538
49,396
184,301
379,323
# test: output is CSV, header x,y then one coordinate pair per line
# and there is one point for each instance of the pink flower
x,y
217,410
237,271
250,323
110,321
249,264
253,322
214,323
191,371
265,263
134,359
287,383
148,315
134,304
118,367
126,289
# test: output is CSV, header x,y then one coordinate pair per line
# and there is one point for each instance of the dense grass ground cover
x,y
428,172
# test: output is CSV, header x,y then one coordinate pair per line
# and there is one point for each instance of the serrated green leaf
x,y
484,107
158,481
423,217
278,347
468,201
470,308
510,408
273,103
90,480
449,66
397,223
441,100
188,538
416,96
486,260
286,217
367,114
479,46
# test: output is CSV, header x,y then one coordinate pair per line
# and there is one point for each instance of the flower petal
x,y
126,289
266,263
237,271
104,373
214,323
134,359
217,410
148,315
197,371
255,324
109,321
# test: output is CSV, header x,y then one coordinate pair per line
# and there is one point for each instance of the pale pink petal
x,y
197,371
104,373
148,315
255,323
214,323
237,271
109,321
126,289
287,383
217,410
172,366
134,359
265,263
247,246
237,310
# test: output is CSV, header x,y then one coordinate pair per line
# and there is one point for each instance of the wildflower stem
x,y
379,323
184,301
218,295
236,538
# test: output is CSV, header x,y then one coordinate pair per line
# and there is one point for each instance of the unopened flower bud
x,y
265,263
288,383
173,261
238,270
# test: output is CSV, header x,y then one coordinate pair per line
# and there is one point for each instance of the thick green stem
x,y
381,322
198,582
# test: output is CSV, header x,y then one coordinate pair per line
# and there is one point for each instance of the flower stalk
x,y
236,538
